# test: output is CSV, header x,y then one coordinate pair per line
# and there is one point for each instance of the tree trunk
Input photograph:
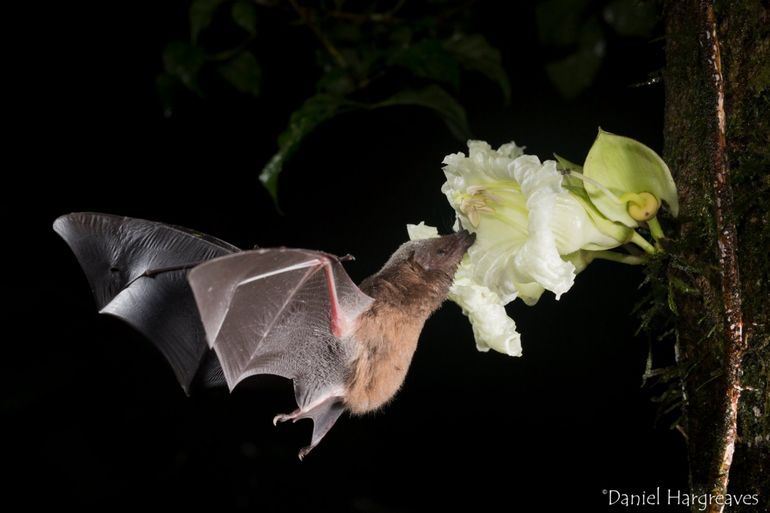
x,y
717,142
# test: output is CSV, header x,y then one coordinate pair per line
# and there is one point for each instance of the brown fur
x,y
405,296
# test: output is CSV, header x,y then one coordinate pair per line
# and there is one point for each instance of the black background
x,y
94,418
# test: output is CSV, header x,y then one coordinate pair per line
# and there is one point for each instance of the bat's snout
x,y
467,236
465,239
442,253
458,244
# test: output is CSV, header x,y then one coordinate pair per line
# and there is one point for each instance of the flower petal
x,y
538,259
575,227
421,231
492,328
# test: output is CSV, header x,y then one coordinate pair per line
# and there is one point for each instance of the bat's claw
x,y
304,451
283,417
323,415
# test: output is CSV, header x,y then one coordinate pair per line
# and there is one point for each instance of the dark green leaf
x,y
559,21
631,17
437,99
303,121
428,59
245,16
336,81
573,74
243,72
201,13
184,61
475,53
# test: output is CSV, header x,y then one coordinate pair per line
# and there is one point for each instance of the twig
x,y
727,240
355,17
375,17
327,44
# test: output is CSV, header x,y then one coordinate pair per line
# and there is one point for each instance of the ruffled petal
x,y
492,328
538,259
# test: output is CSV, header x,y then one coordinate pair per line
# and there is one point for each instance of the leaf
x,y
245,16
437,99
184,61
576,72
428,59
243,72
303,121
573,74
559,22
336,81
475,53
201,13
631,17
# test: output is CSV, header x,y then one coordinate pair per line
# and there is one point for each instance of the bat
x,y
221,315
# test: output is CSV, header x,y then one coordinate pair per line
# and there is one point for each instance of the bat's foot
x,y
323,414
293,416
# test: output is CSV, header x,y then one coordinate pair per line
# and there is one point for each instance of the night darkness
x,y
94,417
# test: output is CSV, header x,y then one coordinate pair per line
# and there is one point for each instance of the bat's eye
x,y
441,252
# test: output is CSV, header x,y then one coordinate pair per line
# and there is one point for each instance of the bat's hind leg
x,y
323,414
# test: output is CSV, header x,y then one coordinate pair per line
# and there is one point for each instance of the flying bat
x,y
220,315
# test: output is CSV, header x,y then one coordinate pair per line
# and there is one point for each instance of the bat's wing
x,y
137,271
287,312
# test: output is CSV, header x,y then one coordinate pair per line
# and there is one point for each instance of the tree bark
x,y
717,142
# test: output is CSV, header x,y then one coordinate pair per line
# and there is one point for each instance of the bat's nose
x,y
464,238
467,237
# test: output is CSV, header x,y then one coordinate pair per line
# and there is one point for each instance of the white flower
x,y
530,233
536,228
524,220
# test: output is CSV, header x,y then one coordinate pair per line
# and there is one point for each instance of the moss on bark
x,y
744,35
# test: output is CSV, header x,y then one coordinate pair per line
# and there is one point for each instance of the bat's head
x,y
427,266
441,254
420,272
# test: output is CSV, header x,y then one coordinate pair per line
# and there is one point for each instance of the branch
x,y
727,240
307,18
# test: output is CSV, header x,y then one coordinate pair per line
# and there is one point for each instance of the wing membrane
x,y
270,311
115,253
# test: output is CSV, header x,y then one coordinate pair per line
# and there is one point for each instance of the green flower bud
x,y
630,173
